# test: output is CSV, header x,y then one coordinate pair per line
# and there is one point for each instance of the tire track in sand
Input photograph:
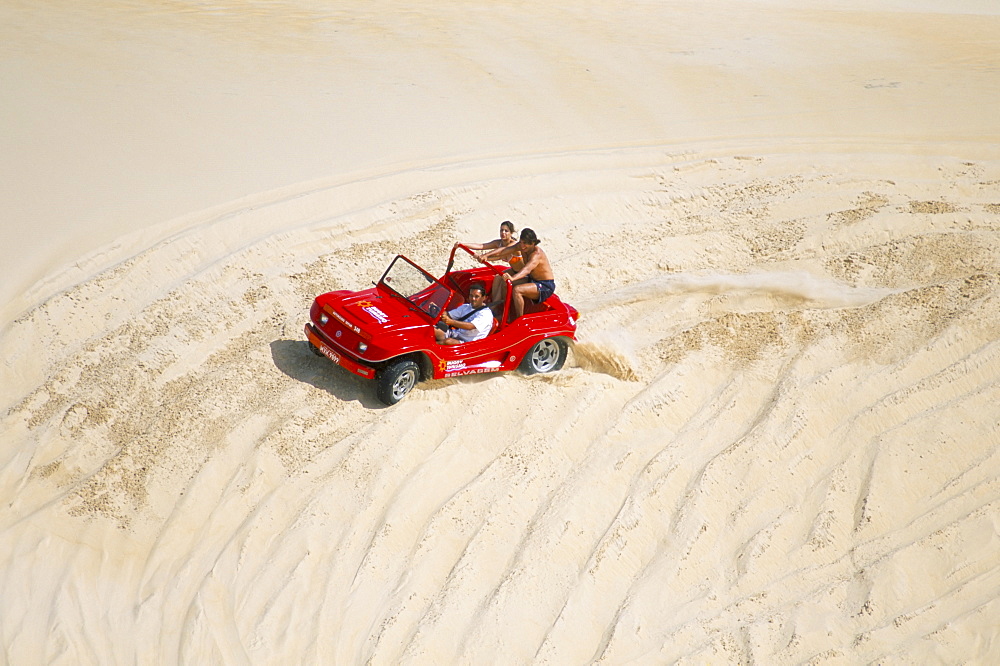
x,y
765,356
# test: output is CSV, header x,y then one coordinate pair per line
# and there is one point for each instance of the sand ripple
x,y
777,439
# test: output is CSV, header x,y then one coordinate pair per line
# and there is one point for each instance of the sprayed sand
x,y
775,442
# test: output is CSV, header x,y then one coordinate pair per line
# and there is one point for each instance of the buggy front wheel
x,y
395,380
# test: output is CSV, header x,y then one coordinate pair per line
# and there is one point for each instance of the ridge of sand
x,y
776,440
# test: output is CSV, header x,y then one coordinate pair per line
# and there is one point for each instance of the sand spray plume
x,y
788,289
609,352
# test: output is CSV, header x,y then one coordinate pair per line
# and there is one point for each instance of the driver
x,y
468,322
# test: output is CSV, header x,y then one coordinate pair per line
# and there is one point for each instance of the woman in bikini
x,y
493,250
506,240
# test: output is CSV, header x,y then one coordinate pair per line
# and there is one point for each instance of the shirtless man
x,y
535,280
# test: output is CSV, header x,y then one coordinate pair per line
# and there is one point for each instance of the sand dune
x,y
776,440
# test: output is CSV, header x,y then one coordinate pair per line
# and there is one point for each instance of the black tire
x,y
546,355
314,349
395,380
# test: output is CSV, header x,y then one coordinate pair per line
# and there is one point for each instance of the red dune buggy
x,y
386,333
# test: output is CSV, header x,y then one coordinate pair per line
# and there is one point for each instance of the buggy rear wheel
x,y
395,380
546,355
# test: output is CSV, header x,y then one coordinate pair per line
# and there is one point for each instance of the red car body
x,y
386,333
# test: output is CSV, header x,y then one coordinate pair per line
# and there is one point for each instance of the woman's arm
x,y
481,246
492,254
502,253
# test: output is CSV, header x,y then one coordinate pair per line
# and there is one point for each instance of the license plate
x,y
333,356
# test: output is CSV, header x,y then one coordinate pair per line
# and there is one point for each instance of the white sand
x,y
776,441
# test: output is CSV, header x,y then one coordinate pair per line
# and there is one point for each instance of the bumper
x,y
337,356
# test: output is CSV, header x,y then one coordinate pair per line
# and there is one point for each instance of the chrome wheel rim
x,y
406,381
545,355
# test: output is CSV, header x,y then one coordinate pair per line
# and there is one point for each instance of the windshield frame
x,y
428,296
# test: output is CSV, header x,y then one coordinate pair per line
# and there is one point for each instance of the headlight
x,y
324,319
362,347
